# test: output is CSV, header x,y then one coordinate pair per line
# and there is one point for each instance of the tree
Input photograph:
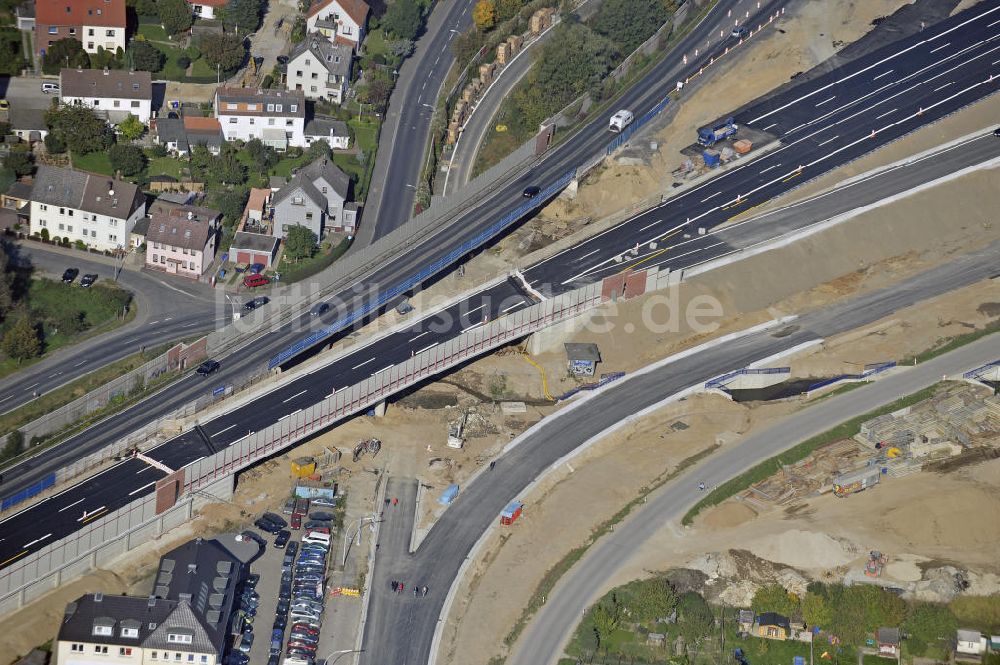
x,y
14,445
131,128
263,156
78,127
146,8
606,617
508,9
403,19
484,15
175,15
54,144
65,53
377,89
6,281
628,23
145,57
128,159
694,617
300,243
774,598
20,162
815,610
318,149
225,52
654,598
232,202
21,340
104,59
929,623
244,14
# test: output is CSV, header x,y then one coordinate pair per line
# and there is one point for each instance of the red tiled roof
x,y
110,13
209,3
197,123
356,9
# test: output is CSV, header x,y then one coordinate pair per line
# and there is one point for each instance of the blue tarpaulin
x,y
449,495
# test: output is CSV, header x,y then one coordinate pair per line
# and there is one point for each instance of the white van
x,y
621,120
320,538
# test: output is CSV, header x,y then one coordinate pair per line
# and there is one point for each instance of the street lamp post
x,y
338,654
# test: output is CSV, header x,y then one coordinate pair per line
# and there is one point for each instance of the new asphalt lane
x,y
23,528
438,559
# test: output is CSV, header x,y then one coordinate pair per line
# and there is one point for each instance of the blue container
x,y
711,158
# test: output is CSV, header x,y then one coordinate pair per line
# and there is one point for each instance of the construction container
x,y
313,489
486,72
303,467
856,481
516,44
742,146
712,158
510,514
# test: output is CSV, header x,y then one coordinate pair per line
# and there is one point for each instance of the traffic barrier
x,y
25,494
869,371
605,380
627,133
721,381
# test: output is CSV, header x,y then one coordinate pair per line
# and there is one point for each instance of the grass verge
x,y
798,452
952,343
553,575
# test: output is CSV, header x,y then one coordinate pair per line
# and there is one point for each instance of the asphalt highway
x,y
551,628
250,357
380,354
166,312
830,120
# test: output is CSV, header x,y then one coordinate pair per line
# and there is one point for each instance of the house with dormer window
x,y
181,240
343,21
276,117
320,68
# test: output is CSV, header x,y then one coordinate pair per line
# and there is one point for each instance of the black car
x,y
320,515
282,59
531,191
253,579
251,305
282,539
319,308
739,33
87,280
276,519
70,275
267,525
996,132
208,367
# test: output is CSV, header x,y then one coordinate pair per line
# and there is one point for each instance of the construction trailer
x,y
510,514
856,481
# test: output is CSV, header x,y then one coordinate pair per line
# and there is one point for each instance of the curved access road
x,y
551,629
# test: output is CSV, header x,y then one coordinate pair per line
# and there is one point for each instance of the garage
x,y
253,248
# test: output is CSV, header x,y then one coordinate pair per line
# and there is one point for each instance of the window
x,y
251,107
270,122
62,227
192,268
97,102
297,200
125,651
179,638
41,222
277,108
312,88
177,657
72,31
100,649
315,76
90,45
43,207
109,33
93,234
288,123
153,258
71,212
294,107
252,121
232,121
76,647
191,655
53,30
309,216
118,103
308,61
126,632
270,108
70,229
135,104
204,659
298,73
62,211
153,655
90,32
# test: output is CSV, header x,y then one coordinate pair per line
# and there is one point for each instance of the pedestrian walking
x,y
394,585
395,501
493,465
402,587
387,501
415,591
424,590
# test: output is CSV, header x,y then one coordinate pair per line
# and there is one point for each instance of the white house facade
x,y
276,117
343,21
115,93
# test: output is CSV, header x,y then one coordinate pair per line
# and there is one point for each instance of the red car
x,y
252,281
296,521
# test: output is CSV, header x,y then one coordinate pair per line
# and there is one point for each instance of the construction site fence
x,y
117,524
975,374
29,492
869,371
605,380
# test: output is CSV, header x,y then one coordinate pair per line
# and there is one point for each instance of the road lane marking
x,y
940,47
283,417
426,348
30,387
768,169
826,100
648,226
471,311
153,323
769,126
885,114
145,468
597,250
820,145
426,332
943,86
883,74
70,505
294,396
364,363
136,491
382,370
38,540
517,304
224,430
169,318
82,362
86,518
6,398
474,325
711,197
188,325
51,376
13,558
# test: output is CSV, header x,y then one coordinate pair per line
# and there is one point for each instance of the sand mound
x,y
805,549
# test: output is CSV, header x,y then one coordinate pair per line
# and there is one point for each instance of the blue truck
x,y
721,129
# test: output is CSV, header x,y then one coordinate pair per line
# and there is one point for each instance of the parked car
x,y
246,643
314,524
282,539
260,301
296,520
403,308
531,191
288,507
996,132
253,281
321,515
256,268
323,501
319,309
88,280
70,275
50,88
253,579
277,519
267,525
208,367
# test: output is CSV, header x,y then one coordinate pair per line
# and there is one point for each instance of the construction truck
x,y
722,129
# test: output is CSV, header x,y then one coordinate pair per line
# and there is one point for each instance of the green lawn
x,y
171,68
95,162
171,166
153,33
376,43
287,164
201,68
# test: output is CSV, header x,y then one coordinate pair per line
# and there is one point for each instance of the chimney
x,y
98,597
190,215
106,71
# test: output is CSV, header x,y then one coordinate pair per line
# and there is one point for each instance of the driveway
x,y
270,41
26,91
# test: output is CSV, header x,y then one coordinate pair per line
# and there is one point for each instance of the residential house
x,y
179,135
334,132
186,619
256,212
298,203
137,238
182,240
320,68
773,626
206,8
970,645
27,123
343,21
94,23
276,117
335,186
18,197
114,93
888,642
79,206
